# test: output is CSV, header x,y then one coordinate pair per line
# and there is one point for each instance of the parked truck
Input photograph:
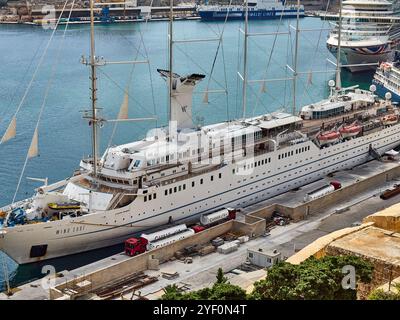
x,y
388,193
134,246
145,242
334,185
176,237
211,219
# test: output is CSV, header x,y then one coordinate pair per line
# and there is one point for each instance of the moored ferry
x,y
257,10
387,80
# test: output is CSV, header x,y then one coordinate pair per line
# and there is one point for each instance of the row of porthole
x,y
206,204
244,202
297,182
252,165
235,170
278,179
306,169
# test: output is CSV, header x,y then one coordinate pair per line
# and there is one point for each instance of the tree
x,y
172,292
279,284
312,279
221,290
226,291
220,276
379,294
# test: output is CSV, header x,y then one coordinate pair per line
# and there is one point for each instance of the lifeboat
x,y
328,137
350,131
65,206
389,119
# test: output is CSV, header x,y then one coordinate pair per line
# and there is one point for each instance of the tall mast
x,y
244,92
170,31
338,64
94,89
296,48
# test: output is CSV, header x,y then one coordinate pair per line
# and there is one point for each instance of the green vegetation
x,y
312,279
221,290
220,276
379,294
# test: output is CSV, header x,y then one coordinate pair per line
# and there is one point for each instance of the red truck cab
x,y
232,214
198,228
134,246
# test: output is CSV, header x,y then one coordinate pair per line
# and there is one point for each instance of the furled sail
x,y
205,97
123,111
11,131
263,88
309,80
33,149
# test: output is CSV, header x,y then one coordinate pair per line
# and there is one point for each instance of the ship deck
x,y
313,125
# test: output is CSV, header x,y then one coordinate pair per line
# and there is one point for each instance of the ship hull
x,y
209,15
368,55
102,229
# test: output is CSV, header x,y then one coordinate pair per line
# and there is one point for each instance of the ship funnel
x,y
181,100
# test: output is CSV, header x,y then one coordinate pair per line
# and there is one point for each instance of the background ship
x,y
258,10
370,32
387,80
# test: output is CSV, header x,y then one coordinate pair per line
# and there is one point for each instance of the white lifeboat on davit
x,y
389,119
349,131
328,137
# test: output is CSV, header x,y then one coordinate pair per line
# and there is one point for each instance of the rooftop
x,y
388,219
265,252
371,242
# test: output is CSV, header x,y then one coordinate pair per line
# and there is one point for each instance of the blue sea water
x,y
64,137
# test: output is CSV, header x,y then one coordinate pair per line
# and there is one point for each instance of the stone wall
x,y
387,222
383,271
318,205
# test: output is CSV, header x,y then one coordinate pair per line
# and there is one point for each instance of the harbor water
x,y
64,137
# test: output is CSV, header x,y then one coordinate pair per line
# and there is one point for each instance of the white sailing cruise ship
x,y
370,32
182,171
